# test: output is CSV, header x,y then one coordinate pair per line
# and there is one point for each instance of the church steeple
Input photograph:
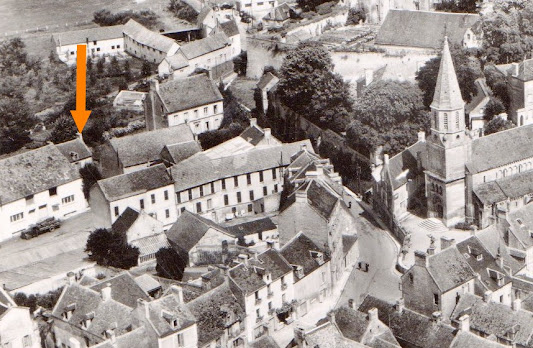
x,y
448,105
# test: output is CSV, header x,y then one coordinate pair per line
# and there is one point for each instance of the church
x,y
453,174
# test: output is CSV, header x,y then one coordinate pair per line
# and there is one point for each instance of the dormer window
x,y
519,221
174,323
73,155
298,271
171,319
86,322
318,256
67,314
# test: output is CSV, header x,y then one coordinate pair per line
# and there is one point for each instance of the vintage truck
x,y
39,228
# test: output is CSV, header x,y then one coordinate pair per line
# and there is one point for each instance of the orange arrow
x,y
80,115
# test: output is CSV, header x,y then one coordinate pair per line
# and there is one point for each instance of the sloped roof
x,y
147,37
525,70
170,304
265,341
493,241
177,61
328,335
404,166
146,146
298,252
200,47
138,337
501,148
351,323
34,171
465,339
447,95
77,147
188,93
266,80
150,244
253,135
204,12
230,28
124,289
181,151
281,13
321,199
521,222
514,186
187,231
147,282
134,183
88,35
251,227
449,269
424,29
5,298
200,169
125,221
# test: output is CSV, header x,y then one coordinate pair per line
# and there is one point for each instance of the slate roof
x,y
281,13
265,341
424,29
465,339
77,147
298,252
410,328
501,148
449,269
493,318
521,222
134,183
177,61
215,311
266,79
34,171
125,221
124,289
131,152
447,95
351,323
88,35
247,278
181,151
147,283
404,166
151,244
200,47
187,231
230,28
138,337
107,314
200,169
252,227
514,186
170,304
253,135
321,199
204,12
525,70
328,335
188,93
147,37
493,241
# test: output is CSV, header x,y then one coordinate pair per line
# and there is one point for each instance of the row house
x,y
263,285
76,151
145,44
222,185
194,100
100,41
16,324
37,185
149,190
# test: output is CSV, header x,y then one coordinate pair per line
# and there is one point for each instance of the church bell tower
x,y
447,147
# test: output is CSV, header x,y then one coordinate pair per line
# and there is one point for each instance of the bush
x,y
107,248
355,15
170,264
325,8
183,11
105,18
47,301
89,176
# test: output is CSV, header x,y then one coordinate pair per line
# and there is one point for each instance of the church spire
x,y
447,95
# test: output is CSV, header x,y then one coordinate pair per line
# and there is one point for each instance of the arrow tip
x,y
80,118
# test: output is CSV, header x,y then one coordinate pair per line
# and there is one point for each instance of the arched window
x,y
446,121
457,120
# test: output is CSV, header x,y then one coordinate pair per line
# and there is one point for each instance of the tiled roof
x,y
177,61
188,93
525,70
5,298
134,183
247,278
138,337
199,169
265,341
266,80
215,311
251,227
187,231
253,135
351,323
88,35
34,171
465,339
281,13
204,12
449,269
481,98
181,151
501,148
404,166
328,335
124,289
321,199
147,37
147,282
493,241
125,221
146,146
151,244
230,28
74,150
521,222
514,186
169,304
424,29
200,47
492,318
298,252
447,94
411,329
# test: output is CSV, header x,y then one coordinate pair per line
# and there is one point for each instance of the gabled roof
x,y
266,80
493,241
447,94
125,221
521,222
147,283
512,187
253,135
88,35
145,147
138,337
280,13
328,335
180,151
147,37
189,229
124,289
74,150
465,339
230,28
5,299
171,306
404,166
449,269
34,171
320,198
204,12
188,93
177,61
424,29
265,341
501,148
200,47
525,70
134,183
250,227
298,251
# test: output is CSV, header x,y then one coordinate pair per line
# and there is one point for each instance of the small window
x,y
153,198
212,187
72,53
68,199
167,213
236,181
226,200
239,198
261,177
199,207
112,47
16,217
265,191
215,109
209,204
223,184
97,49
118,46
411,278
274,174
141,203
190,194
116,211
166,195
178,197
251,195
249,179
94,42
276,188
250,208
52,191
205,110
436,299
201,191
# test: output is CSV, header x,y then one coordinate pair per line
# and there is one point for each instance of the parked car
x,y
39,228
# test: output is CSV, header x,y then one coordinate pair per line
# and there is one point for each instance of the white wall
x,y
190,338
147,53
68,53
17,324
199,118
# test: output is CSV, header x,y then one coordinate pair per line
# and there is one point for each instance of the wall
x,y
449,298
211,238
318,27
144,226
300,217
418,294
147,53
315,286
199,120
190,338
15,324
68,53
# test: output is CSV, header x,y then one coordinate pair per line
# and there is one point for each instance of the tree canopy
x,y
458,6
170,264
498,124
111,249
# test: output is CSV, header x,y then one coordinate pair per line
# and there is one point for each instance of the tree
x,y
15,123
467,69
458,6
170,264
146,69
107,248
89,176
183,11
498,124
114,67
498,84
355,15
127,71
64,129
310,5
494,108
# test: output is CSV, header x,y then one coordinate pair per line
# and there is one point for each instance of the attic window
x,y
519,221
531,233
67,314
479,257
73,155
174,323
318,256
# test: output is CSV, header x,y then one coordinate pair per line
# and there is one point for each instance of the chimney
x,y
268,133
154,85
253,122
487,296
373,314
446,242
421,258
301,196
473,231
299,337
431,250
464,323
516,69
436,317
386,159
377,155
351,303
178,292
243,258
303,147
331,316
71,278
369,76
517,304
106,292
499,259
421,136
400,305
142,304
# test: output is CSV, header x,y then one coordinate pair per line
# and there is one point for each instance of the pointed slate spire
x,y
447,93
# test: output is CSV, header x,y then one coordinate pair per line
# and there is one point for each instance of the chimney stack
x,y
331,316
487,296
436,316
421,258
243,258
431,250
421,136
178,291
464,323
517,304
106,292
154,85
446,242
373,314
268,133
400,305
301,196
386,159
71,278
253,122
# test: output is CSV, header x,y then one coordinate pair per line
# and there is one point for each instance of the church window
x,y
457,120
445,121
436,119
